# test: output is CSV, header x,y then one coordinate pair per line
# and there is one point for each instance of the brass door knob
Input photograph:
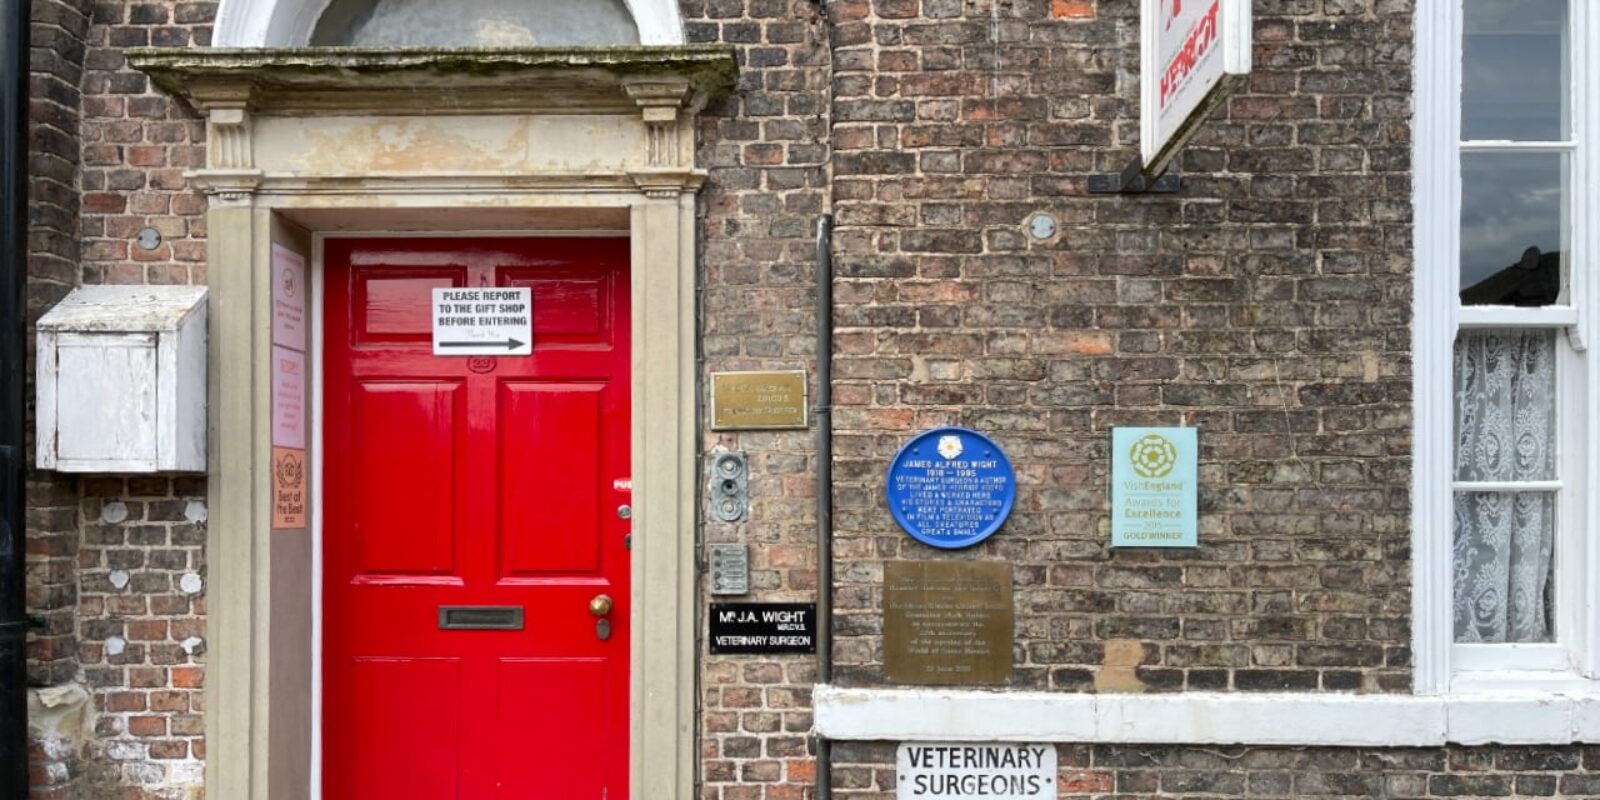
x,y
600,605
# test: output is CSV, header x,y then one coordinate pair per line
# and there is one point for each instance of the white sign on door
x,y
288,298
975,771
1190,53
486,321
288,398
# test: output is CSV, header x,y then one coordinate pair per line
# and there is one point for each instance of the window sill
x,y
1522,683
1302,719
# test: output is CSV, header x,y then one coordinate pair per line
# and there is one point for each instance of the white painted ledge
x,y
1334,720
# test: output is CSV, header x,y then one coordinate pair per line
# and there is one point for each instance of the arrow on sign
x,y
509,344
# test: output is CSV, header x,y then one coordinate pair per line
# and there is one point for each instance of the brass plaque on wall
x,y
758,400
947,622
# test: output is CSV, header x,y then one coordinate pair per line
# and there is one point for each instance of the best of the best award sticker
x,y
1154,487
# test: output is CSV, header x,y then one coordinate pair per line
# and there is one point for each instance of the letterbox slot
x,y
480,618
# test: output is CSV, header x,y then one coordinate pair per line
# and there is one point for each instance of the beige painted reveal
x,y
289,726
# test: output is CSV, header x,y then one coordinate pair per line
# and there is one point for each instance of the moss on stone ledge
x,y
710,68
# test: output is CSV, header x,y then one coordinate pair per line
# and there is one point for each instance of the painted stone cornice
x,y
436,80
234,88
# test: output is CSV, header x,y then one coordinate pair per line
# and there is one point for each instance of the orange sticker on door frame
x,y
290,487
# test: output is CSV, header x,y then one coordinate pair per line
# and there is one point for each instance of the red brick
x,y
1072,9
188,677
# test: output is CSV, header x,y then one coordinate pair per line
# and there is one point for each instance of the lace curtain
x,y
1505,431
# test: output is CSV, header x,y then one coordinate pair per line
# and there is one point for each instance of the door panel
x,y
533,759
560,537
577,307
394,303
404,442
395,725
452,481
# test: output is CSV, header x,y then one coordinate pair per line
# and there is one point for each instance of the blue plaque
x,y
951,487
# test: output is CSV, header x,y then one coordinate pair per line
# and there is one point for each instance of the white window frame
x,y
1573,662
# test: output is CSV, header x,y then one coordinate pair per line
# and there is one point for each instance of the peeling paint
x,y
1118,671
355,144
332,148
123,309
58,719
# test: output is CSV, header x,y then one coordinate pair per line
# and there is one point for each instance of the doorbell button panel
x,y
729,486
730,568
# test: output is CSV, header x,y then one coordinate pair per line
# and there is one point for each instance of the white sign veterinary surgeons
x,y
975,771
1191,52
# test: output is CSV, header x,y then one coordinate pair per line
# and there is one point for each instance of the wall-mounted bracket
x,y
1133,180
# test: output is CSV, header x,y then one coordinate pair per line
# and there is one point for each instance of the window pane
x,y
1514,59
1505,405
1505,429
1504,555
1512,243
474,23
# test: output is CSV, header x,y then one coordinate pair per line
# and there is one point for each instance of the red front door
x,y
464,491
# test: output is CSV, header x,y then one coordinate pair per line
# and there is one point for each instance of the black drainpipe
x,y
14,21
824,484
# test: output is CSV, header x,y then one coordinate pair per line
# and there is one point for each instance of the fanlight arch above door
x,y
293,23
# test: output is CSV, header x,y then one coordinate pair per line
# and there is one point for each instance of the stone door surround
x,y
307,143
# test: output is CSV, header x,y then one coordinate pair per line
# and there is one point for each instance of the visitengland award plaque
x,y
1153,487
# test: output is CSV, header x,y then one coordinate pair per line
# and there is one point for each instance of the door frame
x,y
246,760
264,187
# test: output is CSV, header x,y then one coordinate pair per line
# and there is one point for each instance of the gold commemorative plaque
x,y
758,400
947,622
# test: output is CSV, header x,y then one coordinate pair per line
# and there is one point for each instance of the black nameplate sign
x,y
763,628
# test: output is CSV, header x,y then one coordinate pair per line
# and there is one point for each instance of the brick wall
x,y
116,566
137,142
866,771
57,54
1267,304
766,148
141,613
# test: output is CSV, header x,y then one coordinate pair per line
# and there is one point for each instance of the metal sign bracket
x,y
1133,180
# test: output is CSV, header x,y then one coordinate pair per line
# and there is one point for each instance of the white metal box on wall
x,y
122,380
